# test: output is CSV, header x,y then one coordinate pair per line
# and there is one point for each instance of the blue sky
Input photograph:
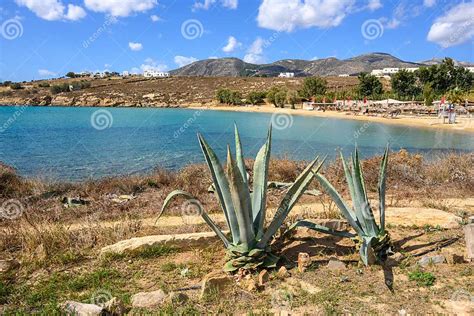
x,y
47,38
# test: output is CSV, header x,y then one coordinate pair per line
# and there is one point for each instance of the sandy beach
x,y
464,124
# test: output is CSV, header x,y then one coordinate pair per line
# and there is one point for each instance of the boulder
x,y
214,283
283,273
427,260
336,265
148,299
179,240
81,309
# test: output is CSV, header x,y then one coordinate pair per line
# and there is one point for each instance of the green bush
x,y
227,96
16,86
280,98
422,278
256,97
44,85
313,86
292,98
66,87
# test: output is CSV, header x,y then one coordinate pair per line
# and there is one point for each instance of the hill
x,y
234,67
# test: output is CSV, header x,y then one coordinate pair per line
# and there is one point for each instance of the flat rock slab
x,y
469,237
408,216
179,240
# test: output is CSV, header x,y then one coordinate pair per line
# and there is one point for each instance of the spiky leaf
x,y
260,179
204,215
381,189
320,229
290,199
242,202
222,188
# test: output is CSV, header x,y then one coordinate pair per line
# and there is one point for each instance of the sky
x,y
48,38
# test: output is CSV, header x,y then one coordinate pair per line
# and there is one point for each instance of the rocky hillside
x,y
234,67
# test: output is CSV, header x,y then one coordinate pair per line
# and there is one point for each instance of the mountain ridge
x,y
331,66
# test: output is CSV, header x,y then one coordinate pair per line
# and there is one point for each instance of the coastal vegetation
x,y
58,246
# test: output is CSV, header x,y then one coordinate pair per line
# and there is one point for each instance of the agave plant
x,y
372,239
244,211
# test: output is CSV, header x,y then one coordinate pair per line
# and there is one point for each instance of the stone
x,y
115,307
470,220
81,309
419,217
177,298
427,260
252,285
184,241
344,279
469,237
304,261
263,277
148,299
283,273
214,283
335,265
8,265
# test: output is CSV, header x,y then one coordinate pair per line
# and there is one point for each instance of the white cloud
x,y
374,5
120,8
46,73
149,65
429,3
232,45
455,27
182,61
75,12
206,4
155,18
135,46
255,52
287,15
231,4
53,10
213,57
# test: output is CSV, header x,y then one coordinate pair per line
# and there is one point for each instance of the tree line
x,y
426,83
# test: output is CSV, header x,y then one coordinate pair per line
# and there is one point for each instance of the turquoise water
x,y
79,143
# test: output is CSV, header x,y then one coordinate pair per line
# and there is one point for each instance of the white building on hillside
x,y
286,75
344,75
412,69
125,73
390,71
377,72
156,74
471,69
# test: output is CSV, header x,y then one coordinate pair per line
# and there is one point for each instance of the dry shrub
x,y
12,185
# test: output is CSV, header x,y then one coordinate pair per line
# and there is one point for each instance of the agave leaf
x,y
366,251
321,229
260,179
290,199
350,184
207,219
336,197
222,188
363,211
239,154
242,202
381,189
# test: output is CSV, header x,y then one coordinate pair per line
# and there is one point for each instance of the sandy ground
x,y
463,124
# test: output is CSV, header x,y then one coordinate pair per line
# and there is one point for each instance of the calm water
x,y
79,143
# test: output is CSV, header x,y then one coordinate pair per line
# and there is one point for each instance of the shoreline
x,y
465,125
